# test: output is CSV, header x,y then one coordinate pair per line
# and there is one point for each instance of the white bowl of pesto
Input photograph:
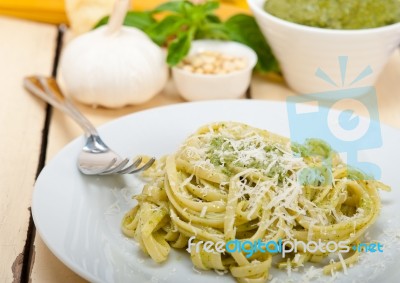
x,y
341,49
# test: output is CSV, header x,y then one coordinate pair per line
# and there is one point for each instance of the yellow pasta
x,y
229,181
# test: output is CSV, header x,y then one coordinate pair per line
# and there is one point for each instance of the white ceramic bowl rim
x,y
252,59
257,8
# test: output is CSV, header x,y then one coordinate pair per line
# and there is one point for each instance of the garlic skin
x,y
113,70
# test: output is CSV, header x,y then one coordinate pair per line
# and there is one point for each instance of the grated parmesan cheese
x,y
203,211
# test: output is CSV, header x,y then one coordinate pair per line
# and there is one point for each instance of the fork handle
x,y
48,90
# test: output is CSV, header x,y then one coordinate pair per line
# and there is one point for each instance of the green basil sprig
x,y
186,22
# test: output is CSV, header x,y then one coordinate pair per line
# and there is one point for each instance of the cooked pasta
x,y
231,181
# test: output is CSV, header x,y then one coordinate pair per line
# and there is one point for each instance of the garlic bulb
x,y
113,66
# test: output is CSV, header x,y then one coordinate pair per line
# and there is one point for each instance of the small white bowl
x,y
195,87
302,50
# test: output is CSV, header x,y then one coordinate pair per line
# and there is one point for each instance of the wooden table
x,y
32,133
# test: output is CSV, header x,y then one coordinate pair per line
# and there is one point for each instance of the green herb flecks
x,y
228,158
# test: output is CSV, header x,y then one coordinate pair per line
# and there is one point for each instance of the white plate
x,y
76,218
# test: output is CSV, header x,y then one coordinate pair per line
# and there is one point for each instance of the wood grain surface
x,y
25,48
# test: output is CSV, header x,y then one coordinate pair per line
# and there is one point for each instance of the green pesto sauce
x,y
336,14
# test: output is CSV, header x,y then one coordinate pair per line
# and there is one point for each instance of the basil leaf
x,y
170,25
188,9
209,6
244,29
140,20
179,48
172,6
198,13
213,18
213,31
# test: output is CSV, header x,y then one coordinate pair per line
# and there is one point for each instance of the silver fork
x,y
96,158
